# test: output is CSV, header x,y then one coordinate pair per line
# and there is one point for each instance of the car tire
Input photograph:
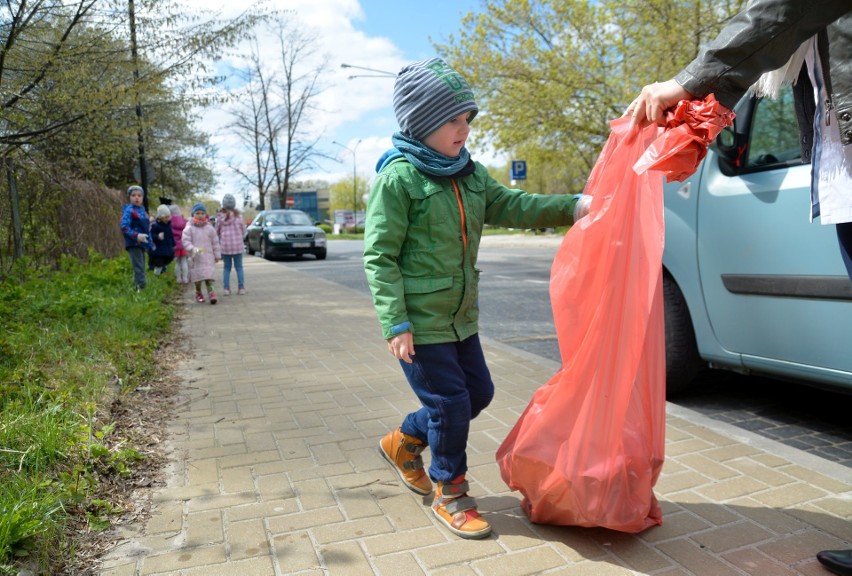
x,y
320,255
263,252
248,247
682,359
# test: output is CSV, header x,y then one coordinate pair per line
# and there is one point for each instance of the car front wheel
x,y
248,247
263,251
682,360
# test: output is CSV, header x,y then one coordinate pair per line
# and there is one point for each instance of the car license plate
x,y
301,244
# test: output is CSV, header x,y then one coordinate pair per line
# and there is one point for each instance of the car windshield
x,y
288,219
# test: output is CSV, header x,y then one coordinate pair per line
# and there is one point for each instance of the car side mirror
x,y
731,147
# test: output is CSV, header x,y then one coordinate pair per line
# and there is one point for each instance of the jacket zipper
x,y
461,212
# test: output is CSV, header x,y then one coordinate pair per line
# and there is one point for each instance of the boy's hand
x,y
581,208
142,238
402,346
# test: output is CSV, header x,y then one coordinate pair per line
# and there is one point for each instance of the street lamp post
x,y
354,182
379,73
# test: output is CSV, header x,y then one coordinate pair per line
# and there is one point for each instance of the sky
x,y
380,34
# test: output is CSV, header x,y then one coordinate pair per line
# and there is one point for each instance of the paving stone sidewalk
x,y
275,470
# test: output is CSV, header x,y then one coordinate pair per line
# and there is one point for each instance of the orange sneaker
x,y
457,510
403,453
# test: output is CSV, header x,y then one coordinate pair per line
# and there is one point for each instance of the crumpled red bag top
x,y
689,129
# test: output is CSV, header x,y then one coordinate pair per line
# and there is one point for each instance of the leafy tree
x,y
64,62
342,195
42,45
102,145
69,89
550,75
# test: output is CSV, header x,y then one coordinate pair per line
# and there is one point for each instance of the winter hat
x,y
175,210
229,202
134,188
198,206
427,95
163,211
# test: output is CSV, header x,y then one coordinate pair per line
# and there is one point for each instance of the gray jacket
x,y
762,38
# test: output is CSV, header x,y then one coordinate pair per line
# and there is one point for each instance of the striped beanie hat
x,y
427,95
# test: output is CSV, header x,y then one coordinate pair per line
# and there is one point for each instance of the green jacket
x,y
421,242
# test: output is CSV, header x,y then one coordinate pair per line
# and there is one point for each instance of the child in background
x,y
135,227
164,243
231,230
202,245
426,211
178,224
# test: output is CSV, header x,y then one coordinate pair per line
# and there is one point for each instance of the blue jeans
x,y
237,260
137,261
454,386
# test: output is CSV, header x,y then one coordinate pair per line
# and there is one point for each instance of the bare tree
x,y
255,127
274,120
298,91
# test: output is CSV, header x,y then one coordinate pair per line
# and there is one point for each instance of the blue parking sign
x,y
519,170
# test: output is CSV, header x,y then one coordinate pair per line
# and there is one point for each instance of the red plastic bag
x,y
689,129
589,447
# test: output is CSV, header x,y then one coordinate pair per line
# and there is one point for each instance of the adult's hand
x,y
653,101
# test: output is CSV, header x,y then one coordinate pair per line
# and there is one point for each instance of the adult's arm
x,y
759,39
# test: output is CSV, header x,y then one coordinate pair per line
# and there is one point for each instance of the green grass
x,y
71,340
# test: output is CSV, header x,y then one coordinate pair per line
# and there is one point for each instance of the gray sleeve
x,y
759,39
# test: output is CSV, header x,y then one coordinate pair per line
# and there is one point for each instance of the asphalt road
x,y
515,310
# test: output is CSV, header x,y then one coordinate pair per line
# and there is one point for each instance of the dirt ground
x,y
141,419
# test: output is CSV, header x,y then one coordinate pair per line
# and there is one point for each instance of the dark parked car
x,y
284,232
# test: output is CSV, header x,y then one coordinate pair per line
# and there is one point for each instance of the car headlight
x,y
319,239
277,236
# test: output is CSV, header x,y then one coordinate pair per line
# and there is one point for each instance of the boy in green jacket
x,y
425,216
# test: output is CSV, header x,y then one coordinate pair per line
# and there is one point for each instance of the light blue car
x,y
750,284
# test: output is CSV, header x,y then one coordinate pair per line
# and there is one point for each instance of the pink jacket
x,y
202,247
231,230
178,224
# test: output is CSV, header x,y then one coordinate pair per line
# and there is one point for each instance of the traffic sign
x,y
291,201
519,170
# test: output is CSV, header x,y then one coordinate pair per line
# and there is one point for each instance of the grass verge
x,y
73,343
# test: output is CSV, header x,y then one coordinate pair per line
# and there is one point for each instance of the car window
x,y
774,138
298,219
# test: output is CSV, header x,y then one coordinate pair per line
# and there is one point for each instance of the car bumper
x,y
304,247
